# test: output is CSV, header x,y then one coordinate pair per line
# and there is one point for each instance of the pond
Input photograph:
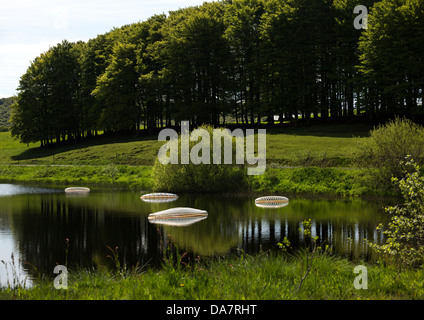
x,y
36,221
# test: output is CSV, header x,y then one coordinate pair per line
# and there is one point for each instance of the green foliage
x,y
5,104
387,146
111,170
116,90
243,60
391,63
46,107
311,180
125,176
307,259
307,255
284,245
199,177
263,277
197,60
405,231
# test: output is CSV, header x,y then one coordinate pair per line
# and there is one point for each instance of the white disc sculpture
x,y
77,190
272,202
178,216
159,197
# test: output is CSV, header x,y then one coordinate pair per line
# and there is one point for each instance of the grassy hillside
x,y
129,151
319,155
315,145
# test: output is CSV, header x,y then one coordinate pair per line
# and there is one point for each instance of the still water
x,y
35,221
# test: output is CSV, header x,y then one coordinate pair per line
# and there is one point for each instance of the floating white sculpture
x,y
178,216
77,190
272,202
159,197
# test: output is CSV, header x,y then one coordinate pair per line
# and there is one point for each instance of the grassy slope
x,y
127,161
320,145
98,151
283,145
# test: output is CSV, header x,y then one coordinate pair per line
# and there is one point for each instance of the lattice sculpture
x,y
272,202
178,216
77,190
159,197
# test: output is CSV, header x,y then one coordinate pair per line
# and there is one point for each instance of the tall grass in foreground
x,y
14,277
267,276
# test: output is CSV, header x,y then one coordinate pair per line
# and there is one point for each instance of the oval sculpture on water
x,y
77,190
272,202
178,216
159,197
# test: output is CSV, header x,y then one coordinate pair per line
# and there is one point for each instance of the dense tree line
x,y
5,104
240,61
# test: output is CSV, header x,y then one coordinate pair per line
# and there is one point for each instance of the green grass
x,y
99,151
308,180
315,180
263,277
316,145
133,177
318,154
10,147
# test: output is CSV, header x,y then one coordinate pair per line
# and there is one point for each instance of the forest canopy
x,y
243,61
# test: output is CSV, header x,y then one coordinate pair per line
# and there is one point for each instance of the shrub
x,y
405,231
387,146
199,177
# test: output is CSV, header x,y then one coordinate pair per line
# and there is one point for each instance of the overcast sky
x,y
30,27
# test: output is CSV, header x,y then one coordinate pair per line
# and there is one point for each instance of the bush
x,y
405,231
310,180
387,146
199,177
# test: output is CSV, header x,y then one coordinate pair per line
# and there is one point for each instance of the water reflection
x,y
35,226
13,189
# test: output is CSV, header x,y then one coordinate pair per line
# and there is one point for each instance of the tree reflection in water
x,y
40,223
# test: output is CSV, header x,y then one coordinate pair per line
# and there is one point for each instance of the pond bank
x,y
306,180
265,276
261,277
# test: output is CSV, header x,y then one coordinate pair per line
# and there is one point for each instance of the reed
x,y
266,276
14,277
